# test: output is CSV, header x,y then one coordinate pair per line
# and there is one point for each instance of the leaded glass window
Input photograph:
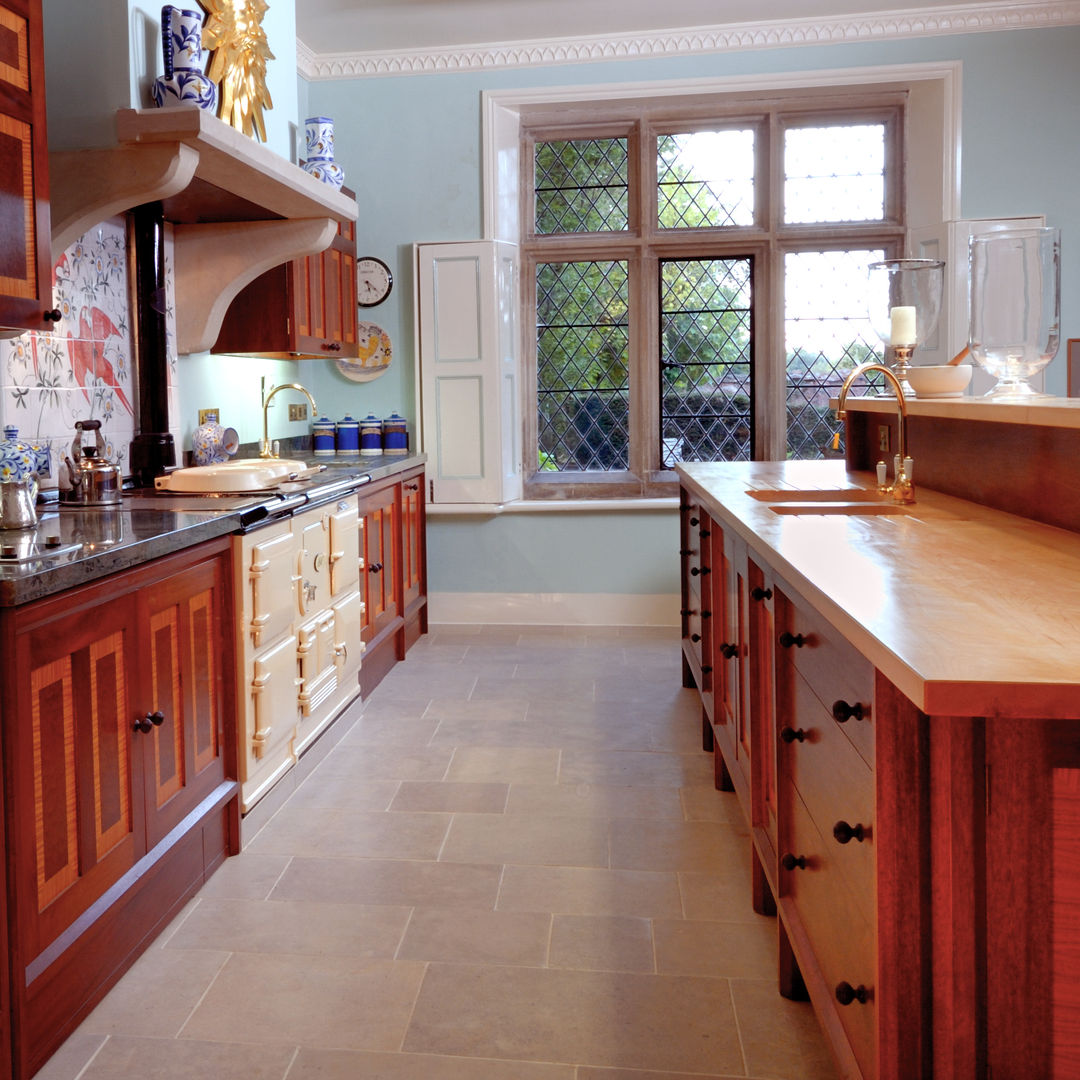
x,y
834,173
705,178
581,186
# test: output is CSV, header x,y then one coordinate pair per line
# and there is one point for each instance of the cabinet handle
x,y
846,993
375,567
790,735
706,669
693,521
843,833
729,651
842,711
412,487
695,638
706,614
149,721
703,533
793,862
758,593
686,551
331,346
694,570
687,611
788,641
54,315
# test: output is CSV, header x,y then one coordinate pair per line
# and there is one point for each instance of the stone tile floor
x,y
513,866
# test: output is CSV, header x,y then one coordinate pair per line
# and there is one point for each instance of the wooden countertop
x,y
968,611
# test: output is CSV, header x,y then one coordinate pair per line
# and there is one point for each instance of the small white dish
x,y
939,380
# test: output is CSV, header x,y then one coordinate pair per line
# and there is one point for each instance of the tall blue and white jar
x,y
319,157
181,45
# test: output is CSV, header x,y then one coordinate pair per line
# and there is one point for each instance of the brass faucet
x,y
902,489
264,446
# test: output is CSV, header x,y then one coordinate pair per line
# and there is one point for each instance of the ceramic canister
x,y
395,435
348,435
322,436
319,144
371,435
181,43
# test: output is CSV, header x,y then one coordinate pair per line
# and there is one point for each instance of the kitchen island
x,y
130,716
894,693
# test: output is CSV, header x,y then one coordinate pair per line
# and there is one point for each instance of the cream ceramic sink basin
x,y
863,509
236,475
814,495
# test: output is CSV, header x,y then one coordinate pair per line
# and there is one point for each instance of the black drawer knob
x,y
686,551
149,721
847,994
729,651
843,833
687,611
790,735
704,533
793,862
53,315
693,521
758,593
842,711
706,614
695,638
695,570
706,669
791,641
375,567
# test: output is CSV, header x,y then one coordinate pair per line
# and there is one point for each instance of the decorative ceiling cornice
x,y
881,26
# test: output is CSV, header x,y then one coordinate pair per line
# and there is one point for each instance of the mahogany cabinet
x,y
25,255
120,795
697,614
393,573
303,308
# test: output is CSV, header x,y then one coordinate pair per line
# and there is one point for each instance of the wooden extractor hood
x,y
237,208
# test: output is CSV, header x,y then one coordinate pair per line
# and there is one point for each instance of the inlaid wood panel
x,y
202,662
1065,916
110,736
168,738
378,548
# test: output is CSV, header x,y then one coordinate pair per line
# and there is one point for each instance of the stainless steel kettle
x,y
18,503
87,478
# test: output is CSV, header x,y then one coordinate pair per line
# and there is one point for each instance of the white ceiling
x,y
328,27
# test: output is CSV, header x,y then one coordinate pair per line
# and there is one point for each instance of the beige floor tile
x,y
602,943
588,1073
69,1061
346,1002
677,845
173,980
724,896
476,712
319,831
359,1065
735,950
533,841
389,881
451,797
482,937
594,1018
292,926
708,804
633,767
504,765
780,1038
568,687
362,763
594,801
342,792
584,891
385,727
250,877
124,1058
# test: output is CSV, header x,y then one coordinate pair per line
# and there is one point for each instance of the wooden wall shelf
x,y
197,166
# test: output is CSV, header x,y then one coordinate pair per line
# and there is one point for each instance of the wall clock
x,y
373,281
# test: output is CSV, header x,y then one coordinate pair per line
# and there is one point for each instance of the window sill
x,y
552,506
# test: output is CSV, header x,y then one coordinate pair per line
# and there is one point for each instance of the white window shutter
x,y
468,361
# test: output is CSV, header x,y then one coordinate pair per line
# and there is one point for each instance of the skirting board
x,y
555,609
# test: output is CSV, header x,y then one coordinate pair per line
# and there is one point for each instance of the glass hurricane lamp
x,y
904,302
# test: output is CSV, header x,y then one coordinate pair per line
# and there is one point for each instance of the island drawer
x,y
839,675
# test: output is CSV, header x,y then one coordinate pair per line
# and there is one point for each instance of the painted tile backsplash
x,y
83,369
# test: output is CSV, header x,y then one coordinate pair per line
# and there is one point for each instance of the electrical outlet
x,y
883,438
207,416
297,412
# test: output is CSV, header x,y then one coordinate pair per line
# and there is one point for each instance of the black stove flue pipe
x,y
152,449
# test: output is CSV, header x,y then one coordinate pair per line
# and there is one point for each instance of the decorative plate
x,y
373,354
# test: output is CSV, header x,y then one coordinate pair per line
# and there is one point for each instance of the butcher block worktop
x,y
967,610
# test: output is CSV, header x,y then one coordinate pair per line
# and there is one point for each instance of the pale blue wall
x,y
411,148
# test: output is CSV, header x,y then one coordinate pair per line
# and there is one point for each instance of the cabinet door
x,y
379,511
25,256
344,546
269,567
181,693
73,774
412,540
324,297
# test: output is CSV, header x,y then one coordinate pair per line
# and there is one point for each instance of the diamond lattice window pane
x,y
582,369
706,390
705,178
834,173
827,334
581,186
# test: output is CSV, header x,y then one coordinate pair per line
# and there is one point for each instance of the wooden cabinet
x,y
393,572
303,308
121,792
697,614
25,255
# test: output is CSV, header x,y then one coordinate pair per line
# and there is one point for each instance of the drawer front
x,y
835,784
840,936
837,673
270,569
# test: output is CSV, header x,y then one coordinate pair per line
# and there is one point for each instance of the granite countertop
x,y
93,542
968,611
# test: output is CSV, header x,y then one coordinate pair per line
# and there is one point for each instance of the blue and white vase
x,y
20,460
320,163
181,45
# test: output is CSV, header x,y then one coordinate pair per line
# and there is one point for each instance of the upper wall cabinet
x,y
25,252
305,308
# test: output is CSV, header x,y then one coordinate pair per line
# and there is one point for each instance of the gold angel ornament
x,y
235,33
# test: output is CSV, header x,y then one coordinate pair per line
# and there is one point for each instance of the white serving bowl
x,y
939,380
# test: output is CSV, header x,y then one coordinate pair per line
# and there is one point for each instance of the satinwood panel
x,y
378,534
412,540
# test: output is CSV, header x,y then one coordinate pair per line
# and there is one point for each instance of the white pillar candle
x,y
902,326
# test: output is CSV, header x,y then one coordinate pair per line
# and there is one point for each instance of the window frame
x,y
644,243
